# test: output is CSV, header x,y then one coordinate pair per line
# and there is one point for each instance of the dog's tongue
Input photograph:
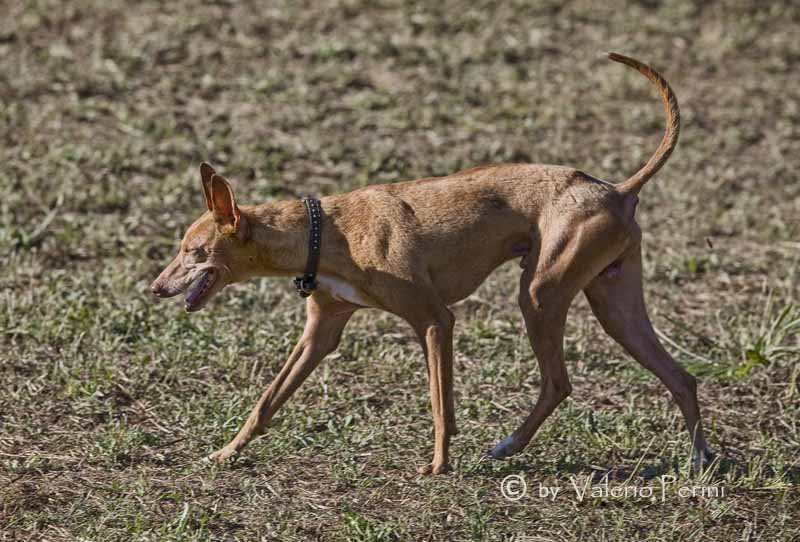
x,y
198,289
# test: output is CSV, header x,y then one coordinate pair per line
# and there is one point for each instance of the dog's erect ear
x,y
206,172
223,205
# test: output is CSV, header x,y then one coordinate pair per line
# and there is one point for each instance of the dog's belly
x,y
457,278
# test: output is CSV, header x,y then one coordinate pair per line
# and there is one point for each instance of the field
x,y
109,400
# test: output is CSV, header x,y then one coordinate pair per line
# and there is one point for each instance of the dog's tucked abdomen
x,y
454,231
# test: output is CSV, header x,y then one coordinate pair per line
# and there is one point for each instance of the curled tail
x,y
635,183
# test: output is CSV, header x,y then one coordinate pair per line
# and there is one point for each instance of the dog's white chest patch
x,y
342,291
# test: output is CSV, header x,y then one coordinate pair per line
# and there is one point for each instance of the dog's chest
x,y
342,291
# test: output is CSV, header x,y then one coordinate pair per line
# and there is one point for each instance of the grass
x,y
109,401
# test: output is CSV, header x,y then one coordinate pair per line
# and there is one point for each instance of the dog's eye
x,y
193,255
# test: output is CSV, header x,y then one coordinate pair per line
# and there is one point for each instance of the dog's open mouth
x,y
198,292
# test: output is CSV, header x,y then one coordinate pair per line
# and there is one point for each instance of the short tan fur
x,y
414,248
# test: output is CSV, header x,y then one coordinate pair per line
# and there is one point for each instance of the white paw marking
x,y
503,448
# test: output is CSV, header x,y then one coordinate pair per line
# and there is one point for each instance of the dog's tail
x,y
634,184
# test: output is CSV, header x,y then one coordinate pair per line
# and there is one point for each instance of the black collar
x,y
307,283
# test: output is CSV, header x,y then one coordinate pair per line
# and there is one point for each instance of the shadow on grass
x,y
723,468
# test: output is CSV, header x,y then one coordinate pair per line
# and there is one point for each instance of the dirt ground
x,y
109,401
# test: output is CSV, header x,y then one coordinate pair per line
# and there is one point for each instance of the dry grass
x,y
109,400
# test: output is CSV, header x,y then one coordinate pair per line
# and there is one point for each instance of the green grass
x,y
109,400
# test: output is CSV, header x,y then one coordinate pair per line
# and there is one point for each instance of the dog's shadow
x,y
722,468
489,468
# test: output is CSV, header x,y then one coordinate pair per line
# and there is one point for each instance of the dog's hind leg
x,y
325,321
617,300
544,321
549,283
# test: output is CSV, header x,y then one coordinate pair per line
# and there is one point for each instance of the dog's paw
x,y
221,455
505,448
433,468
701,460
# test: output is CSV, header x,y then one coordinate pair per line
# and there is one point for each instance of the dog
x,y
414,248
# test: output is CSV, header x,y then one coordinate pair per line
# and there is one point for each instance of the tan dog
x,y
413,248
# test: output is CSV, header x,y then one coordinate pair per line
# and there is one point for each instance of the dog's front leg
x,y
436,336
325,321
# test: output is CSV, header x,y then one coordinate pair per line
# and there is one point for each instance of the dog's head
x,y
212,251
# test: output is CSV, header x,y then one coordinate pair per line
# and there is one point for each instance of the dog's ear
x,y
223,205
206,172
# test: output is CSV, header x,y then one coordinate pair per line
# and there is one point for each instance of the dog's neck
x,y
278,233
